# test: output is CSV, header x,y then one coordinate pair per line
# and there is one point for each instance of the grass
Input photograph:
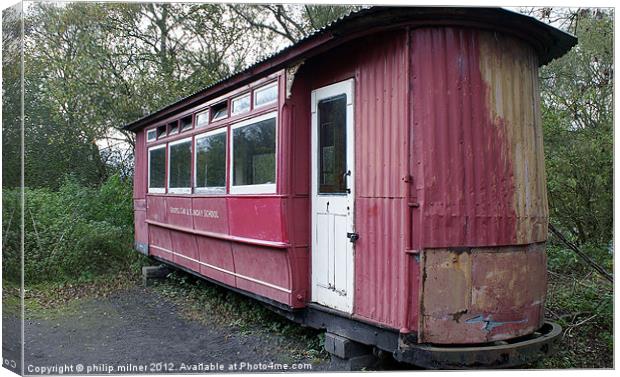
x,y
580,301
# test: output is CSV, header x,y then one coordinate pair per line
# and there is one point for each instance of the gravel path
x,y
138,330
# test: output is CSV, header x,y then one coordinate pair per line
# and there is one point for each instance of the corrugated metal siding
x,y
480,182
477,149
381,193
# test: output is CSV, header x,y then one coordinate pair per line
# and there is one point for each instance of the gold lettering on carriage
x,y
195,212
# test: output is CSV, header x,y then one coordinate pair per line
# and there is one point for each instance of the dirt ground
x,y
140,330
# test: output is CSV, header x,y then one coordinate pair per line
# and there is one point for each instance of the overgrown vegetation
x,y
580,301
74,233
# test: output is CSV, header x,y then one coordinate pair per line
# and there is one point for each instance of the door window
x,y
332,153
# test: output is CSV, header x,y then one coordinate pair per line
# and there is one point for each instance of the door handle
x,y
353,237
344,179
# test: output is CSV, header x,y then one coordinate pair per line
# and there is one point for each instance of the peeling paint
x,y
489,324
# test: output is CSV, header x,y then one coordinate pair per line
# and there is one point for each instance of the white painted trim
x,y
208,190
268,86
268,188
206,112
154,132
257,281
238,98
154,190
323,296
178,190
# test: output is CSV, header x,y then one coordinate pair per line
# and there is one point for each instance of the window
x,y
186,123
210,168
332,153
219,111
157,169
202,119
179,166
241,104
266,95
253,149
173,128
151,135
161,131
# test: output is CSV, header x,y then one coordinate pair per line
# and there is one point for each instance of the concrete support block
x,y
150,274
348,355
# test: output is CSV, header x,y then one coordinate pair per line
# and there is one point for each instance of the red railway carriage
x,y
382,178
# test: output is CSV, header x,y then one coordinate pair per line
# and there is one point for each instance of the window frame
x,y
178,190
219,190
216,108
154,132
237,98
191,123
263,188
263,87
156,190
207,113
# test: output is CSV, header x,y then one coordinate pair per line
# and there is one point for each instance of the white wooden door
x,y
333,176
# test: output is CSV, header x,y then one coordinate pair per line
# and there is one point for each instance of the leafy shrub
x,y
74,233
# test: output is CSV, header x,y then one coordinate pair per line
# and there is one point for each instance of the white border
x,y
154,131
212,189
207,113
214,119
155,190
267,188
264,87
179,190
232,104
320,295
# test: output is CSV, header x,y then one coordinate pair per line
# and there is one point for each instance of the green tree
x,y
577,110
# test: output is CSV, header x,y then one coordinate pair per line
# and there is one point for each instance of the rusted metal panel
x,y
478,295
512,353
478,152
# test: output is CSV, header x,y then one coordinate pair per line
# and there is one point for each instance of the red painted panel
x,y
140,170
216,253
140,228
185,247
179,211
256,217
159,242
268,267
156,208
472,135
210,214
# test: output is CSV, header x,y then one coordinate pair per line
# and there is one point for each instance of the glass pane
x,y
254,160
266,95
157,173
220,111
332,151
186,123
161,131
151,135
180,160
173,128
211,161
241,104
202,118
